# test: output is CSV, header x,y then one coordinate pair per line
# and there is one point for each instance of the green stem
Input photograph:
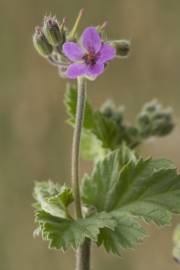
x,y
76,144
83,256
83,252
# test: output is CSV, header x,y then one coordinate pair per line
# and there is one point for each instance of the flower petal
x,y
73,51
91,40
76,70
106,53
95,70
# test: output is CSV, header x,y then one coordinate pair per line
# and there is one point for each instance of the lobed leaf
x,y
127,233
68,233
148,189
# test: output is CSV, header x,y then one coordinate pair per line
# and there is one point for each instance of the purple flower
x,y
89,57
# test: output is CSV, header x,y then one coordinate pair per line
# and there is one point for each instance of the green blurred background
x,y
35,142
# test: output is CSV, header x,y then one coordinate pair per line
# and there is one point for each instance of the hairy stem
x,y
83,256
76,144
83,252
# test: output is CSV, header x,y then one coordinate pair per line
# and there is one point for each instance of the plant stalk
x,y
76,144
83,252
83,256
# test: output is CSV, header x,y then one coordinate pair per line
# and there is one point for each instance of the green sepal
x,y
52,31
41,44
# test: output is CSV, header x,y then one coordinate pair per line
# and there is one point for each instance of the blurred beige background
x,y
35,142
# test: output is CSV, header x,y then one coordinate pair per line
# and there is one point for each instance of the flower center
x,y
90,58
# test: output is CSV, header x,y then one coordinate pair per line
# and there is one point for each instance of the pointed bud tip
x,y
104,25
64,20
37,30
81,12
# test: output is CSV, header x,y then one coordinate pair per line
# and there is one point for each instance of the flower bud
x,y
52,31
163,123
152,106
154,120
144,119
144,124
133,133
41,44
109,110
122,47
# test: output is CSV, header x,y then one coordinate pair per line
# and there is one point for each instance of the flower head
x,y
89,56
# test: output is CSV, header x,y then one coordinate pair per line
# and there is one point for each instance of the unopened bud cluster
x,y
48,40
154,120
48,37
110,111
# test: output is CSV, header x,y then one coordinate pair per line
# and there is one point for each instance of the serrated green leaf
x,y
52,198
152,192
149,189
91,147
128,232
65,196
107,131
71,102
126,155
67,233
100,188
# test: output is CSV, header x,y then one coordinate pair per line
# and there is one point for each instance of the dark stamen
x,y
90,59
